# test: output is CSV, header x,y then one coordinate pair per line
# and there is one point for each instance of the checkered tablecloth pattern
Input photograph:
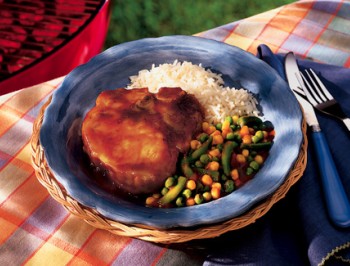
x,y
36,230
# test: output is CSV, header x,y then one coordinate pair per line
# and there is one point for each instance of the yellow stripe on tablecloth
x,y
239,41
13,177
25,156
49,254
73,231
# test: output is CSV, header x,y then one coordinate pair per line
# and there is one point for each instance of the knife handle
x,y
336,199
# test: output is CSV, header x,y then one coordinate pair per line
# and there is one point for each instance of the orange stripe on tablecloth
x,y
301,15
102,245
23,201
160,255
121,248
324,28
7,230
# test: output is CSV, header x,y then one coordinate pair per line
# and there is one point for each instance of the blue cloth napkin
x,y
297,230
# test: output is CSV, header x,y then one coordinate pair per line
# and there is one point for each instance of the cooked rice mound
x,y
208,87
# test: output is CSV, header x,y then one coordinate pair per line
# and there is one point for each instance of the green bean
x,y
257,146
201,150
173,192
226,156
186,168
250,121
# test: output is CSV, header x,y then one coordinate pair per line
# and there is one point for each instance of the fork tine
x,y
306,89
316,87
322,86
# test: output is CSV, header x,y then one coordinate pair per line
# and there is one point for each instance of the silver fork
x,y
318,95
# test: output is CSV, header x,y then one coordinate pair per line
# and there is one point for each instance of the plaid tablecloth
x,y
36,230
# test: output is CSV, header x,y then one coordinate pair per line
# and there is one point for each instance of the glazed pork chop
x,y
137,136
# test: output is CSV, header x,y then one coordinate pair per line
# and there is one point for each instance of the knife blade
x,y
337,202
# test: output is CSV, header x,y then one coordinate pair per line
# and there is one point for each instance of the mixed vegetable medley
x,y
221,159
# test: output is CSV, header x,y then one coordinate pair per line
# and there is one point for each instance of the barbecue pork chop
x,y
136,136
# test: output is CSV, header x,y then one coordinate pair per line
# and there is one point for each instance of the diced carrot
x,y
207,180
245,152
247,139
195,144
214,153
213,166
215,192
190,202
234,174
191,184
218,139
244,131
259,159
216,184
240,158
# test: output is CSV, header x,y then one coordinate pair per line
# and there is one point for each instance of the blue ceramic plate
x,y
60,132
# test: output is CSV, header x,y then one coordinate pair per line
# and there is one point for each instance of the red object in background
x,y
51,38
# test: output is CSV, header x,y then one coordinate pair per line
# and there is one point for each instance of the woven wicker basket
x,y
47,179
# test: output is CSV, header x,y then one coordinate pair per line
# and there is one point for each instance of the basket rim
x,y
148,233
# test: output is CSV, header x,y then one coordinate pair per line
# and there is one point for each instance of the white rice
x,y
208,87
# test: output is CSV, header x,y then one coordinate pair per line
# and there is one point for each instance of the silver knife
x,y
337,202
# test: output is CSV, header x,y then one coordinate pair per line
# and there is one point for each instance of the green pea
x,y
229,119
230,136
198,164
229,186
254,165
169,182
198,199
223,177
180,202
218,126
204,158
249,171
202,137
187,193
164,190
